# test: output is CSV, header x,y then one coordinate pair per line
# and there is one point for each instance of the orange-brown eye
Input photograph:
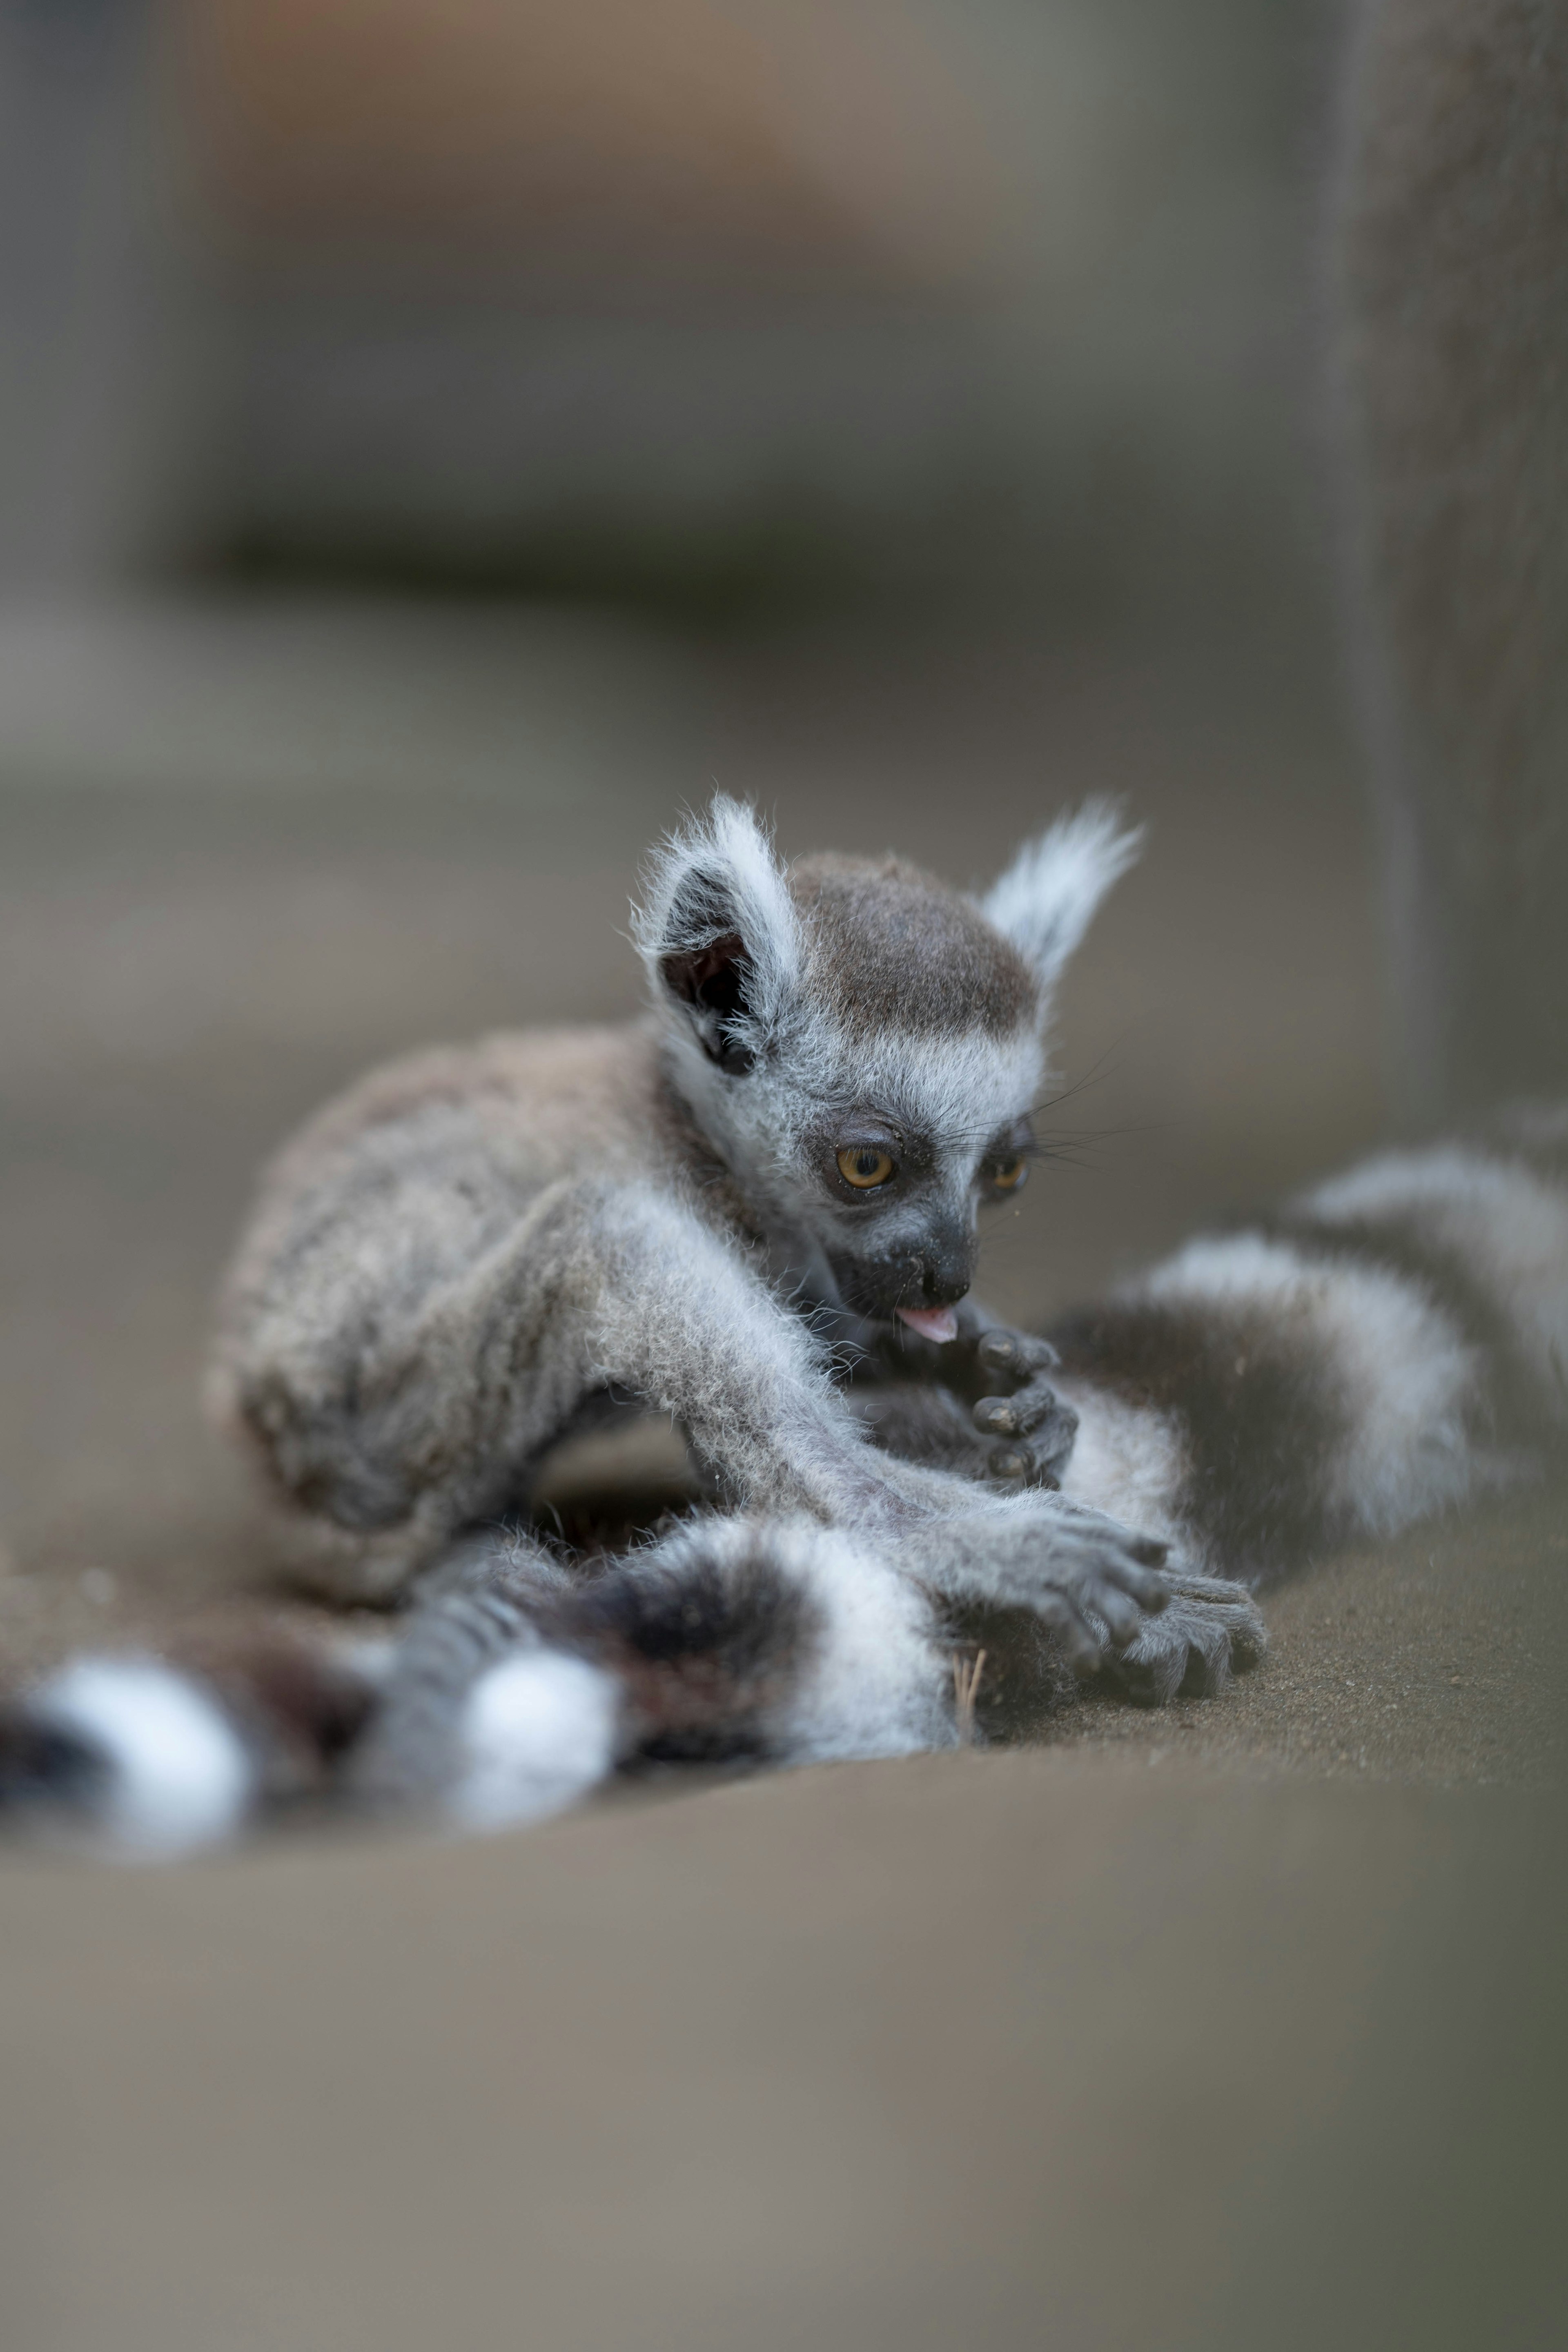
x,y
1008,1174
864,1167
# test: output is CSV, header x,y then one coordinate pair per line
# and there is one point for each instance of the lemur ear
x,y
718,932
1047,897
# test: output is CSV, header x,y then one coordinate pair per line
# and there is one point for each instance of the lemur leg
x,y
403,1438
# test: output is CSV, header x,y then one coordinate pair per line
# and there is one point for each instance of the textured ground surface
x,y
1229,2025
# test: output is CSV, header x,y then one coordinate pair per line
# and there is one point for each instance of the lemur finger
x,y
1015,1463
1020,1415
1055,1438
1122,1615
1015,1355
1110,1586
1035,1412
1081,1646
1152,1592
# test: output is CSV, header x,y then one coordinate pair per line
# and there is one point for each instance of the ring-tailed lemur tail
x,y
514,1690
1392,1342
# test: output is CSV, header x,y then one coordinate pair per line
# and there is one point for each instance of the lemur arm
x,y
404,1431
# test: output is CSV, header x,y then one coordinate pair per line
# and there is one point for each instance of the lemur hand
x,y
1035,1429
1093,1581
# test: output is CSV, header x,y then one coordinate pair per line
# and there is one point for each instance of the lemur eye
x,y
865,1167
1007,1174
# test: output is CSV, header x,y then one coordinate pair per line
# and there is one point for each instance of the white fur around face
x,y
1408,1381
812,1066
539,1732
957,1094
177,1775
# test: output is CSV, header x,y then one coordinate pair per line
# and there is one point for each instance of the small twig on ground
x,y
967,1673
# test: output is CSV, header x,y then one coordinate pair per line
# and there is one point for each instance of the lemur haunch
x,y
756,1210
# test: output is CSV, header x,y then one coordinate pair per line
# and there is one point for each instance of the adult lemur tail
x,y
1393,1341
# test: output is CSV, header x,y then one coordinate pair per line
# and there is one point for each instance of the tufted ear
x,y
1047,897
718,932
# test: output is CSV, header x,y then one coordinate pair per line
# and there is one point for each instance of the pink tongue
x,y
938,1323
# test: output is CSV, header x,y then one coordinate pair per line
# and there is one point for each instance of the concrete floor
x,y
1232,2025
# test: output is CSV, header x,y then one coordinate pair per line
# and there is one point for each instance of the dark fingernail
x,y
1149,1552
1010,1461
999,1348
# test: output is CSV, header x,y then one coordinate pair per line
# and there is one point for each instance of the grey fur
x,y
455,1262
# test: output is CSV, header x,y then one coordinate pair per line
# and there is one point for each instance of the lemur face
x,y
863,1047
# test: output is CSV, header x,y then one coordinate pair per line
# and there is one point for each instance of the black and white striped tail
x,y
1394,1342
1391,1343
514,1691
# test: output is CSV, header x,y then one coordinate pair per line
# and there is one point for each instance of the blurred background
x,y
440,438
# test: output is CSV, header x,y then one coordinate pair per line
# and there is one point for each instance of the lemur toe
x,y
1209,1629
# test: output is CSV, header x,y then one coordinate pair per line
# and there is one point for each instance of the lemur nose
x,y
944,1281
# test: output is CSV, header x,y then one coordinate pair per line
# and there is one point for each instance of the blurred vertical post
x,y
1451,350
89,274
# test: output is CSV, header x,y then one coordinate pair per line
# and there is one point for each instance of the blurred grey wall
x,y
487,290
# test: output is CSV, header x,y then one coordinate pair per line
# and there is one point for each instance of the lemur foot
x,y
1034,1428
1208,1631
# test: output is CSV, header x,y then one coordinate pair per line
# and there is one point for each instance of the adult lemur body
x,y
756,1210
1449,312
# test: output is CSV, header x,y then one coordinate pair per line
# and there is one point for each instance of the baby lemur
x,y
756,1210
784,1161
